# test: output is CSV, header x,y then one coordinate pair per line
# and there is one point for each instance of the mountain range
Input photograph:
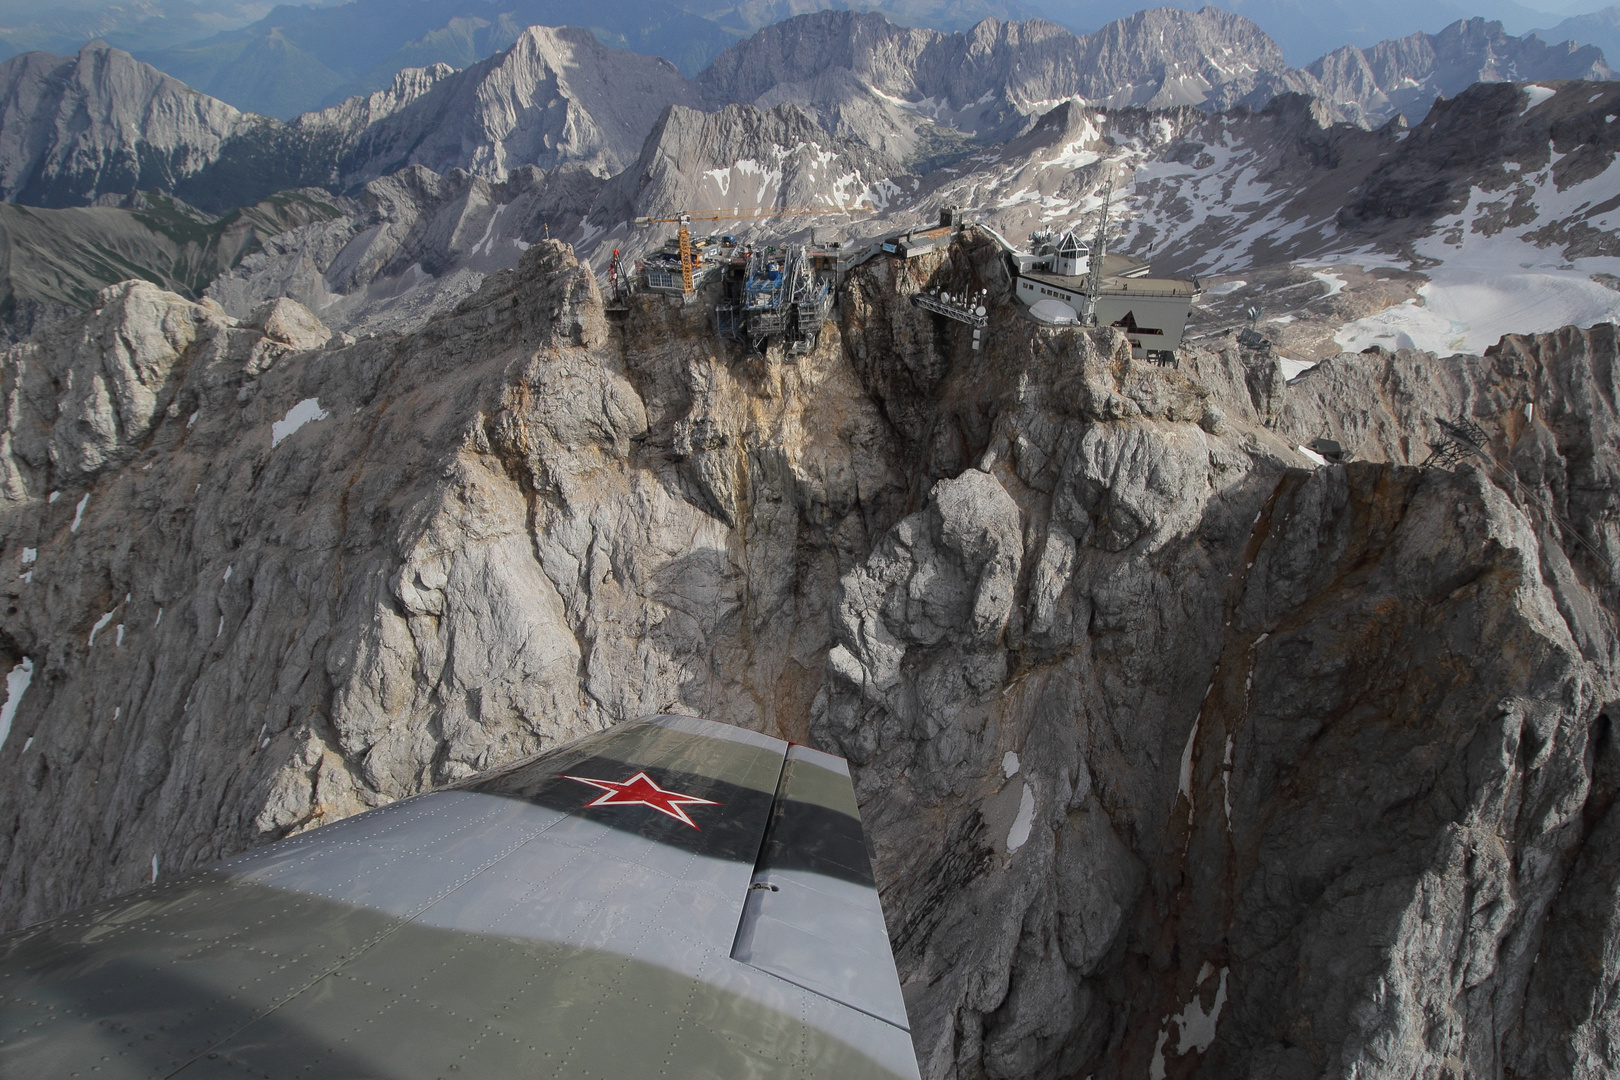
x,y
102,123
1597,28
1309,28
298,58
448,175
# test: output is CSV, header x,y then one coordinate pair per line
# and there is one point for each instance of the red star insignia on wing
x,y
642,790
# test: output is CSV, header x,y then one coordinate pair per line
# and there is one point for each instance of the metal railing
x,y
971,311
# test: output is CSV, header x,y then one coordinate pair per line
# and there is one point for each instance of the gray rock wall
x,y
1180,754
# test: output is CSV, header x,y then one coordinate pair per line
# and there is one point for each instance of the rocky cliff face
x,y
1182,752
556,95
1218,743
72,129
739,157
348,119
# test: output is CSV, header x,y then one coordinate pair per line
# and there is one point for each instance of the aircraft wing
x,y
671,897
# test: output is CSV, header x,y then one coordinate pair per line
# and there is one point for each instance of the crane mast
x,y
1098,251
683,222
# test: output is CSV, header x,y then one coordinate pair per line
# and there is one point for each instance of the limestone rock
x,y
101,122
1177,758
556,95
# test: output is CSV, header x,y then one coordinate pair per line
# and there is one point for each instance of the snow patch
x,y
101,624
1196,1027
1293,369
29,555
1009,765
1334,283
16,683
1187,756
78,513
1018,835
1156,1069
487,241
1313,455
1536,94
1226,784
1468,310
1225,287
300,414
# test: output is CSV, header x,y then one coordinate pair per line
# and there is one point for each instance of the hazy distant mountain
x,y
301,58
75,128
1600,28
61,26
1406,75
909,92
1307,29
557,95
297,59
948,15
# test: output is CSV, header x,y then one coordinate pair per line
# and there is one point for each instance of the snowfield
x,y
1492,281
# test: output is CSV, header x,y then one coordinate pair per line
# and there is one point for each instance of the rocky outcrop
x,y
409,246
1180,751
1496,137
740,157
352,116
1144,764
53,263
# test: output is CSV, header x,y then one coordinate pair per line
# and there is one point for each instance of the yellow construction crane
x,y
736,213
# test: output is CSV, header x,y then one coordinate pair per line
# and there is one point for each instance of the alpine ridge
x,y
101,123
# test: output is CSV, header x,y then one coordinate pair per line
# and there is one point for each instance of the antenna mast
x,y
1098,251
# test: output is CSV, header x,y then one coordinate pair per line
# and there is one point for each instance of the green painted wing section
x,y
505,931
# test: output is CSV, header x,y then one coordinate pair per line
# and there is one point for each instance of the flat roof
x,y
1115,285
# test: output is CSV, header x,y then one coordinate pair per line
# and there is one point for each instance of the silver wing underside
x,y
502,929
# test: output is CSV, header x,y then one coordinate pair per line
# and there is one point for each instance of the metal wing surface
x,y
671,897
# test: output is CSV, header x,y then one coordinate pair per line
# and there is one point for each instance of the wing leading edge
x,y
671,897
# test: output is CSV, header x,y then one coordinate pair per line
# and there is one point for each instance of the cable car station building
x,y
1151,312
